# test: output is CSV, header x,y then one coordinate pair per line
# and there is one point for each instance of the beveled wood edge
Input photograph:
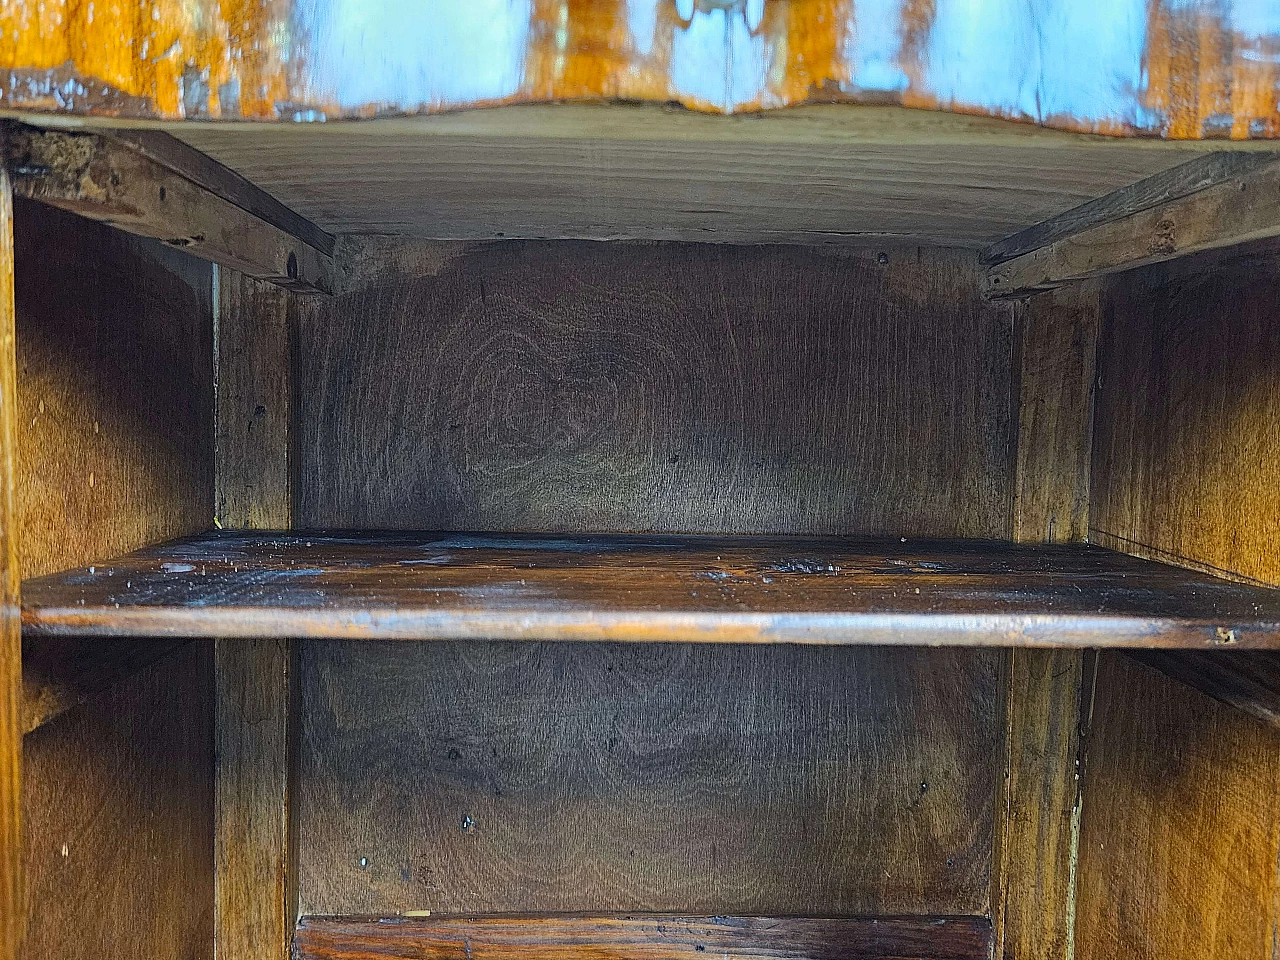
x,y
877,629
109,180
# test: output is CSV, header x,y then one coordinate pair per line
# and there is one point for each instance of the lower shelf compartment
x,y
643,937
649,588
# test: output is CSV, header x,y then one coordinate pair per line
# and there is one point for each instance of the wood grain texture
x,y
202,170
823,175
1034,903
1180,181
1181,824
1186,463
59,674
255,404
107,180
690,388
253,861
12,913
1239,209
118,800
645,938
360,586
1056,341
116,406
254,867
1248,681
493,777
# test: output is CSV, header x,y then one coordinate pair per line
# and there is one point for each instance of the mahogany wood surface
x,y
643,937
612,587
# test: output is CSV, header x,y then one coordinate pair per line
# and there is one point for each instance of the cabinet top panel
x,y
1178,69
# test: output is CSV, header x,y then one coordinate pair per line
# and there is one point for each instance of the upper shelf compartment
x,y
658,588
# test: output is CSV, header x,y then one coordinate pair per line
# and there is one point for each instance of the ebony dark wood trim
x,y
642,938
204,171
104,179
1249,681
1237,208
1180,181
671,588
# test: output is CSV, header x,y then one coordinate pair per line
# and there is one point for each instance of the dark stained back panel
x,y
761,781
660,387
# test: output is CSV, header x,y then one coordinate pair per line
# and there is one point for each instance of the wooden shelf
x,y
758,589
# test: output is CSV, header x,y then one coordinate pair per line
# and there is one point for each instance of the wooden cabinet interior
x,y
831,458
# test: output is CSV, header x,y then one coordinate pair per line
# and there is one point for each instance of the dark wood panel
x,y
644,938
693,388
118,806
777,780
116,408
1249,681
615,587
1186,460
1180,828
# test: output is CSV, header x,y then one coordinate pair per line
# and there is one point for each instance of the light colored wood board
x,y
1180,826
1240,209
1033,904
118,801
254,404
254,910
643,938
636,387
487,777
12,904
116,406
1186,463
105,179
833,175
1056,340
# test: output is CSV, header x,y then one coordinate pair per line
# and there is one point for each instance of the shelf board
x,y
447,586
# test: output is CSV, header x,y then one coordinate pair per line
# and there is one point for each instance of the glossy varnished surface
x,y
1177,69
458,586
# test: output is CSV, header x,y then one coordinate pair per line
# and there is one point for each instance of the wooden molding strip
x,y
642,938
1249,680
202,170
1215,201
107,180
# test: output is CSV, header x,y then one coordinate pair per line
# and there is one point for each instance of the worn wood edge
x,y
1248,681
892,629
186,161
12,895
640,936
1180,181
103,179
1232,211
53,683
1037,833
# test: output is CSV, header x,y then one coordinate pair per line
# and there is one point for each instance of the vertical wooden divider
x,y
12,905
1033,903
253,862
